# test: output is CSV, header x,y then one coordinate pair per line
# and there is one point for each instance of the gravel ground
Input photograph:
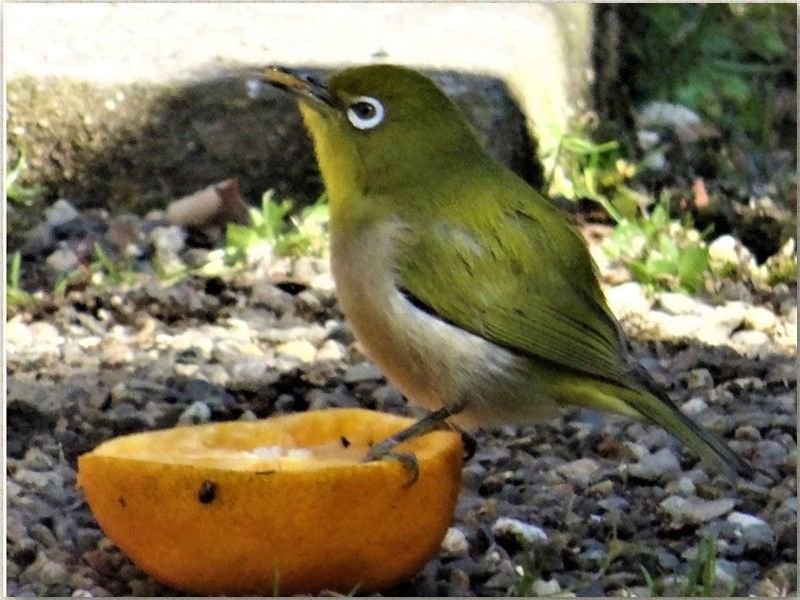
x,y
574,506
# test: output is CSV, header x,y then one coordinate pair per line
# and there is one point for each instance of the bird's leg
x,y
385,449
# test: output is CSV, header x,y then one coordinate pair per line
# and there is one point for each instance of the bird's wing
x,y
517,274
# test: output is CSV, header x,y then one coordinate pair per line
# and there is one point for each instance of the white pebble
x,y
507,527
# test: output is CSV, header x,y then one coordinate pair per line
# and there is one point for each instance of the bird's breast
x,y
431,362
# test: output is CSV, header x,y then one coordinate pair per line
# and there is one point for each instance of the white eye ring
x,y
365,112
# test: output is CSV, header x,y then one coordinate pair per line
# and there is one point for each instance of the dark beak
x,y
304,86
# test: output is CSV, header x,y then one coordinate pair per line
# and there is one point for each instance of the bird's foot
x,y
384,451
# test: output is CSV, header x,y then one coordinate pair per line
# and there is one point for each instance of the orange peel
x,y
274,507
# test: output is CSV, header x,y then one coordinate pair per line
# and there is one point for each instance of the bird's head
x,y
380,129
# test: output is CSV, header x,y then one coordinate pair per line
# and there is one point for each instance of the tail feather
x,y
656,406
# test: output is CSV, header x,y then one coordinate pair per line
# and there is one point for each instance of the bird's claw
x,y
383,451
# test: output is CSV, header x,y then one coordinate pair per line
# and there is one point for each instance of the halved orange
x,y
279,506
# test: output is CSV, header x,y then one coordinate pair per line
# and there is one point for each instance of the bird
x,y
472,292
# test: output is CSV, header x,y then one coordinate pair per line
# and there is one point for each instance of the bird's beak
x,y
304,86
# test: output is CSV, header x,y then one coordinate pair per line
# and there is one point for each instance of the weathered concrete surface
x,y
158,77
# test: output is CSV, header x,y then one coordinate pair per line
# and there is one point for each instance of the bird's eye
x,y
365,113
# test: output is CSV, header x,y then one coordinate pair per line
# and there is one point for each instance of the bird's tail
x,y
652,403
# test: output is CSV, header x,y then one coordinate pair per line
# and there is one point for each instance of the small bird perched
x,y
473,294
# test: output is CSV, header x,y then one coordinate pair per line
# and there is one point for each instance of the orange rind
x,y
274,507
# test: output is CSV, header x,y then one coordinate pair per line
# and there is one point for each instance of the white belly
x,y
430,361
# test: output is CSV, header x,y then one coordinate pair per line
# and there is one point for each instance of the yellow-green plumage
x,y
462,282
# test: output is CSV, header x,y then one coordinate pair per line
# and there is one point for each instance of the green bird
x,y
472,293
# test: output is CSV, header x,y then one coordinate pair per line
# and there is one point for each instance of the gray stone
x,y
38,460
53,573
695,510
60,212
694,406
168,240
755,532
699,379
747,433
39,239
682,486
365,371
195,414
506,527
582,471
63,260
659,466
455,543
549,587
751,343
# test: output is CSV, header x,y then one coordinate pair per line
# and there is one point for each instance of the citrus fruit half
x,y
274,507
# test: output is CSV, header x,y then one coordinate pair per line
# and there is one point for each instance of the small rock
x,y
322,283
680,304
735,290
266,294
674,327
38,460
695,510
61,212
116,352
388,399
505,527
251,375
307,303
195,414
659,466
458,585
39,240
44,333
682,486
193,341
125,235
53,573
666,559
760,319
614,504
331,350
726,252
63,260
724,572
582,470
751,343
755,532
770,452
729,316
699,379
694,406
168,240
455,543
302,350
747,433
364,371
549,587
18,335
627,299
